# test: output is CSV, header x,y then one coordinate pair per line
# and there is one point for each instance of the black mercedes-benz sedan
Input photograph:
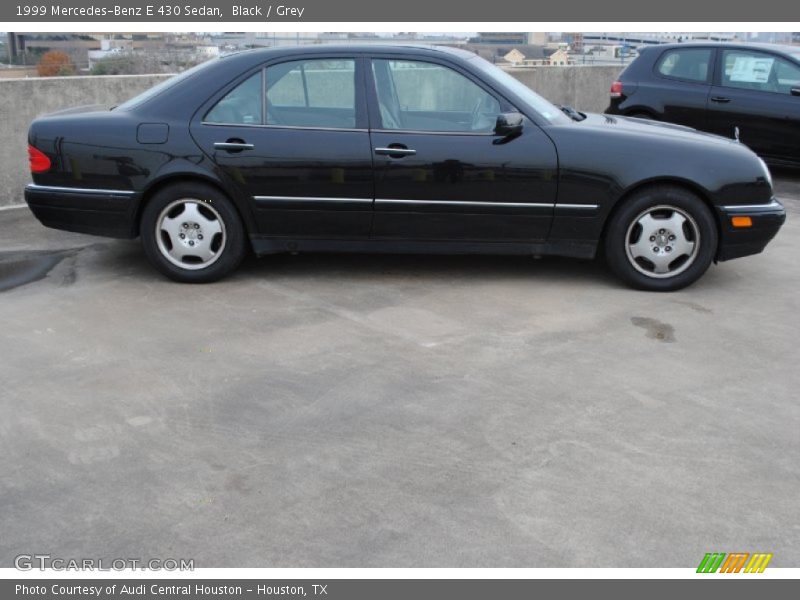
x,y
747,91
392,149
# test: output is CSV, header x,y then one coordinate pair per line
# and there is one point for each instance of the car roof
x,y
784,49
247,58
357,48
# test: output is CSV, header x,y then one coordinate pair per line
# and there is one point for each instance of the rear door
x,y
758,92
293,137
683,80
440,172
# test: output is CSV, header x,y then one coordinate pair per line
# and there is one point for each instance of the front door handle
x,y
396,152
720,99
233,146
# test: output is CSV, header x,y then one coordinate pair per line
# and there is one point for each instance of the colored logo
x,y
735,562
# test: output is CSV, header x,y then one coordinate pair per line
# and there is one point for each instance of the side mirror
x,y
508,124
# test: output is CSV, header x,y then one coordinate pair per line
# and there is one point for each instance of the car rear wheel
x,y
662,239
192,233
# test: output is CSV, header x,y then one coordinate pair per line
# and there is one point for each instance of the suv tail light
x,y
38,159
616,89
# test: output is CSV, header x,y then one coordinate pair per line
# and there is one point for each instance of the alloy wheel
x,y
662,241
190,233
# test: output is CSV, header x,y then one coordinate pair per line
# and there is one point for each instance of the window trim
x,y
434,132
265,126
361,116
710,75
375,119
720,69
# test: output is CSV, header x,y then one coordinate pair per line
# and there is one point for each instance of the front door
x,y
293,137
754,92
440,172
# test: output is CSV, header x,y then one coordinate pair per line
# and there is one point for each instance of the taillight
x,y
616,89
38,159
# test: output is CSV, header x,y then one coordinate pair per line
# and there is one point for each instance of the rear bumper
x,y
85,210
735,242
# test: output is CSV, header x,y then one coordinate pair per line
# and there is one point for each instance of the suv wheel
x,y
192,233
662,239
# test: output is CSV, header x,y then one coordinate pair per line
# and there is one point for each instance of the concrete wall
x,y
585,88
22,100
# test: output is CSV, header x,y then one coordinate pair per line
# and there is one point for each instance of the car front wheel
x,y
192,233
662,239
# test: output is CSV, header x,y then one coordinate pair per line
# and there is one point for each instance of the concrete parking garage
x,y
342,411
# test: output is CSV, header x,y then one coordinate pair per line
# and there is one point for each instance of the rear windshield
x,y
164,86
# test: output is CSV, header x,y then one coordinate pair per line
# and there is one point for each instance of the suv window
x,y
422,96
312,93
240,106
690,64
759,71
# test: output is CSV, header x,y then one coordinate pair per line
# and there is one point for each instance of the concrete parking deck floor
x,y
395,410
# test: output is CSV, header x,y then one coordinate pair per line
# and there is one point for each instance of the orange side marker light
x,y
741,221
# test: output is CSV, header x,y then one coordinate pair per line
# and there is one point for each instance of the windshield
x,y
163,86
548,111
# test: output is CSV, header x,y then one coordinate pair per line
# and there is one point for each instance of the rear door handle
x,y
720,99
233,146
395,152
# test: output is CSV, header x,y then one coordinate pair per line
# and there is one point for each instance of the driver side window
x,y
420,96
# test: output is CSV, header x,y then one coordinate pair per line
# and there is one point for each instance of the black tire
x,y
223,243
661,202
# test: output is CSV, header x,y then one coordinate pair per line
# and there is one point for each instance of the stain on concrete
x,y
238,483
695,306
21,268
91,454
71,272
655,329
140,421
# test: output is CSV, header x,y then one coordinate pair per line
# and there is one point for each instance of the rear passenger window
x,y
312,93
240,106
689,64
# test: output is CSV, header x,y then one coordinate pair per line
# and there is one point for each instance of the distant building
x,y
538,56
650,39
501,37
515,57
538,38
559,58
575,41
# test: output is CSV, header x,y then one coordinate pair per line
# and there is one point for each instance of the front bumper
x,y
735,242
85,210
